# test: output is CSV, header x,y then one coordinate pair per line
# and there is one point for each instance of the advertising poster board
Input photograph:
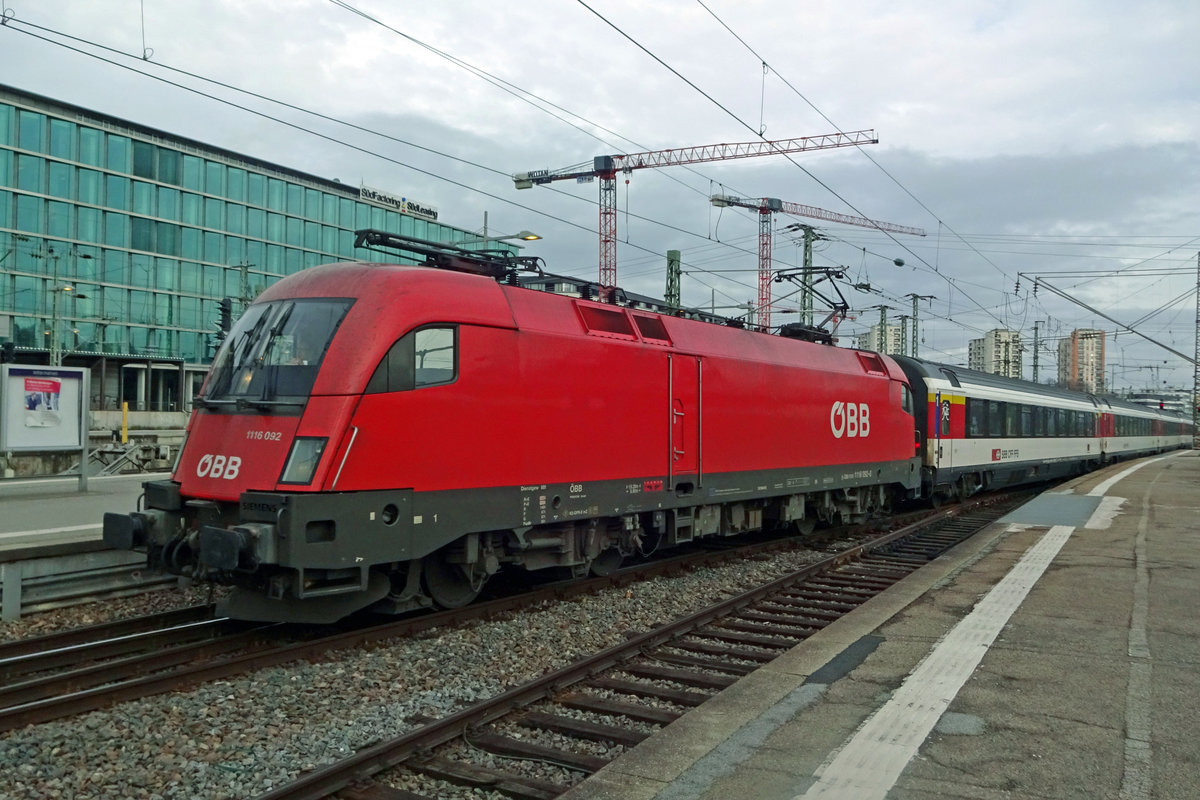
x,y
43,408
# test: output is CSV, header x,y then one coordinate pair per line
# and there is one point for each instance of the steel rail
x,y
372,760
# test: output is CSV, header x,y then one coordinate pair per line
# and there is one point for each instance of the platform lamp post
x,y
523,236
55,342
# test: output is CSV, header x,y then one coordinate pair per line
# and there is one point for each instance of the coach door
x,y
943,445
685,456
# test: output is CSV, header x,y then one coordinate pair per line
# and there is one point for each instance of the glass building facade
x,y
118,241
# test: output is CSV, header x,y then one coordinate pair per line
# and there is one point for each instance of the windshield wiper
x,y
243,403
206,402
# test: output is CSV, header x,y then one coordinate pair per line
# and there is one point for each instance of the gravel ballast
x,y
242,737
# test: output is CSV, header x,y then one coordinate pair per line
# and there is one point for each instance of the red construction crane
x,y
766,208
606,168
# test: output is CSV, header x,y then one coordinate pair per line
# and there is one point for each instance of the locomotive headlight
x,y
302,461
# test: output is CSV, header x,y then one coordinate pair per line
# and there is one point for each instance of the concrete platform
x,y
1054,655
45,516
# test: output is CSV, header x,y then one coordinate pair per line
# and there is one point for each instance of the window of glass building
x,y
60,180
276,195
236,189
116,302
30,171
143,198
214,178
116,192
141,233
114,266
166,238
58,219
5,207
29,214
31,130
87,268
190,243
191,208
143,160
166,272
275,227
256,223
214,213
25,294
214,247
89,186
295,232
91,143
168,166
116,229
235,249
255,252
6,120
118,153
235,218
193,173
6,168
256,190
88,224
295,200
189,273
189,312
168,202
62,139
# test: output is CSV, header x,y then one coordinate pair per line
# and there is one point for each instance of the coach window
x,y
1049,415
1012,419
1026,420
976,418
995,427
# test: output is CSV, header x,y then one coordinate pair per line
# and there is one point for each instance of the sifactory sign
x,y
401,204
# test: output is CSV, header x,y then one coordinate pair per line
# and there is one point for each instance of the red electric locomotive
x,y
386,436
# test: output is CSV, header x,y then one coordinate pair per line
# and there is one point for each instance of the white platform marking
x,y
868,765
41,531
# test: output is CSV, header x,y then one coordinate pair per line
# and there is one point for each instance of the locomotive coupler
x,y
242,547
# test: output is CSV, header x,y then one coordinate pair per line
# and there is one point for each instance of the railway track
x,y
620,696
82,670
85,669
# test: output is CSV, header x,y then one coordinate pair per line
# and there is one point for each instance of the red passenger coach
x,y
390,436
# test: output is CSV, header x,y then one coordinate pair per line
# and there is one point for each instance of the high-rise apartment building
x,y
892,341
1081,361
998,352
118,242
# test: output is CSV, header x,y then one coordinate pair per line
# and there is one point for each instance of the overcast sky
x,y
1023,137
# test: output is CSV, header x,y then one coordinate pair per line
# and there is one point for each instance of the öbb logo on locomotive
x,y
850,419
219,466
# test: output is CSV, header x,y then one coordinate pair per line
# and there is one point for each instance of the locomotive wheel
x,y
447,584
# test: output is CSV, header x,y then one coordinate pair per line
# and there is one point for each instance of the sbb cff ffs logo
x,y
219,466
850,420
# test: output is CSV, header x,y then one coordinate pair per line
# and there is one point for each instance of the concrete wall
x,y
153,429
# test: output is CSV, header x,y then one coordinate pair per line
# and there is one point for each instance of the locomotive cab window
x,y
424,357
271,357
